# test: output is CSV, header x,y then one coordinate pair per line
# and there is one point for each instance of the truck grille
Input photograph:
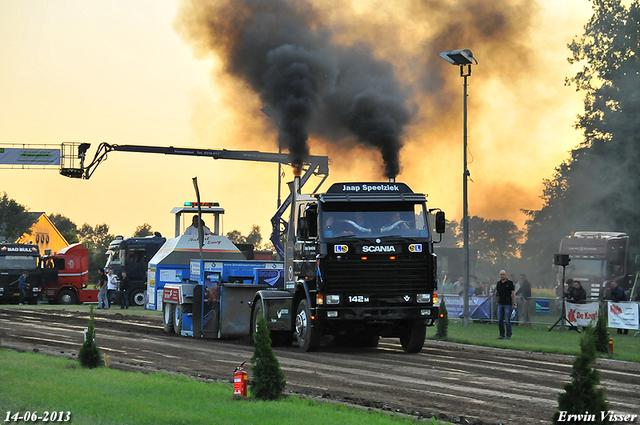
x,y
378,276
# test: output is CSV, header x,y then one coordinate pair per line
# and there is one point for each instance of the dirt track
x,y
460,383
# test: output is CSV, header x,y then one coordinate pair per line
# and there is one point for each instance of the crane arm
x,y
74,156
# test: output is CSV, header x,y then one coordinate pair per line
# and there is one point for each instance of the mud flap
x,y
278,307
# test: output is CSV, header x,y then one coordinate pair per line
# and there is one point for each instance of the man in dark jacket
x,y
576,293
617,295
124,291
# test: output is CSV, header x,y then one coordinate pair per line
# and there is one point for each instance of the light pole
x,y
463,58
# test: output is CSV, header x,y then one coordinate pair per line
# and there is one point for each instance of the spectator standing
x,y
103,302
525,297
576,293
112,286
458,286
447,286
506,292
618,295
124,291
22,287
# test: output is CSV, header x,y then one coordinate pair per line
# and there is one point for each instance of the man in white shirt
x,y
193,229
112,286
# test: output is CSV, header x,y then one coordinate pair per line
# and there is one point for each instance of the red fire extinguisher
x,y
611,345
240,381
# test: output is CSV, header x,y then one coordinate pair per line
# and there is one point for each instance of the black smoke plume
x,y
315,86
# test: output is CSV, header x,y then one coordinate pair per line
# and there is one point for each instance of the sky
x,y
148,73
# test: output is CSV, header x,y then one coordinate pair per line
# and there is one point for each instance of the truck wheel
x,y
308,337
413,339
180,311
371,340
67,297
257,312
168,314
284,338
177,319
137,298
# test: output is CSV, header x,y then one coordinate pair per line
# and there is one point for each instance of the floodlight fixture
x,y
464,59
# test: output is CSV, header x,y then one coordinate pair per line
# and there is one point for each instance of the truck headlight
x,y
333,299
423,298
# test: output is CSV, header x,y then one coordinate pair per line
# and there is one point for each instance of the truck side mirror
x,y
312,222
303,228
440,222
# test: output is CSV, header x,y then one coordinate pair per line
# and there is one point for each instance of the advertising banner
x,y
582,314
623,315
479,307
542,305
15,156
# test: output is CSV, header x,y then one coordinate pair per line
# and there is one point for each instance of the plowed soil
x,y
456,382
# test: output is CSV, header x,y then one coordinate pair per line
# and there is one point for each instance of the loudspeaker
x,y
561,259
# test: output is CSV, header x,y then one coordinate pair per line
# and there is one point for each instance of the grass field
x,y
538,338
37,383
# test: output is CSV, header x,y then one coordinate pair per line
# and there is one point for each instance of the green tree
x,y
268,381
254,237
15,219
582,395
443,320
97,239
600,332
143,231
67,227
452,234
89,355
597,186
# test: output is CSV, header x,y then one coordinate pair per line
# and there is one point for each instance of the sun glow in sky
x,y
123,72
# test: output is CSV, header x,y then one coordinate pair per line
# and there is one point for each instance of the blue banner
x,y
479,307
542,305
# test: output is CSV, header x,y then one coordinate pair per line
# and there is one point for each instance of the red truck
x,y
70,285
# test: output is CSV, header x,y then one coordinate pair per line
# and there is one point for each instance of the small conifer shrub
x,y
582,396
601,334
443,321
90,355
268,380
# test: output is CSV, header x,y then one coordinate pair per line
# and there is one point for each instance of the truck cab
x,y
71,267
14,260
595,260
360,264
132,255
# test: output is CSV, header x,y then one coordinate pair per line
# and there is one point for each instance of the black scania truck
x,y
359,265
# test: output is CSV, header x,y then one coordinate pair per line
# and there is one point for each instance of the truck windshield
x,y
116,256
18,262
585,267
374,219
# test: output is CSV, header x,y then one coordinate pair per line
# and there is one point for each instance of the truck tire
x,y
413,339
66,297
180,310
308,336
257,312
137,298
278,338
168,314
371,340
